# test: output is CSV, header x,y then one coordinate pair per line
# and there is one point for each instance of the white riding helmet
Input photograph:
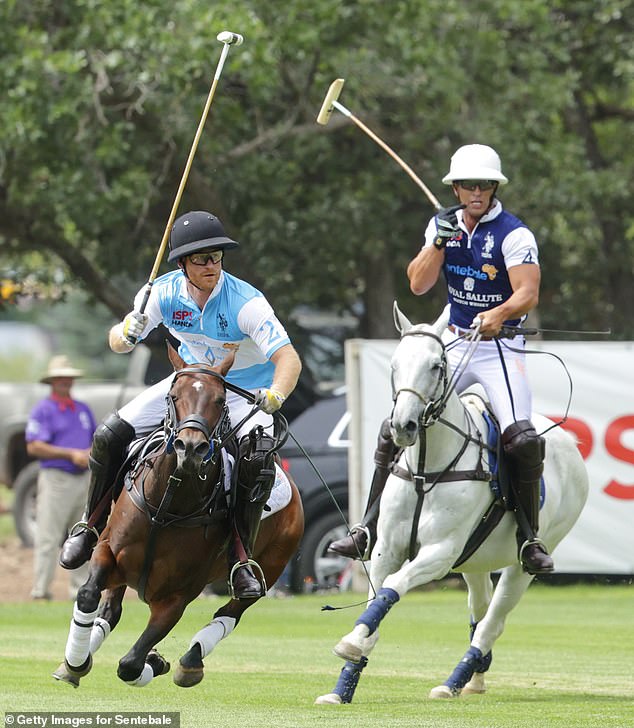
x,y
475,161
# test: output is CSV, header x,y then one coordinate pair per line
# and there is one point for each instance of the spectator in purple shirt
x,y
59,434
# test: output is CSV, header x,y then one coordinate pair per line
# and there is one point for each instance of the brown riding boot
x,y
107,455
358,544
524,450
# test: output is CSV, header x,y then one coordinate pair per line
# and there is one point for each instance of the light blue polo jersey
x,y
236,317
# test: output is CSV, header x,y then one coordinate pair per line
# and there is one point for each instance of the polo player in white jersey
x,y
212,314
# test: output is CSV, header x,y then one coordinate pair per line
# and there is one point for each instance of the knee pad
x,y
523,445
256,465
114,434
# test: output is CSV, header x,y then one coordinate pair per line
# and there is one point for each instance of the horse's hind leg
x,y
191,670
510,589
141,664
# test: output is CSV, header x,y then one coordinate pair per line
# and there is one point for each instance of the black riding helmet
x,y
195,231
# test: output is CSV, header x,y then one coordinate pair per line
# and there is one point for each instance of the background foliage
x,y
101,102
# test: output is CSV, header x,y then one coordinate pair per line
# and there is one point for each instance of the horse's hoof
x,y
330,699
347,651
159,665
68,674
443,691
187,677
475,686
63,675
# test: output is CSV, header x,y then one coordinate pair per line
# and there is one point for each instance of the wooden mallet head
x,y
331,97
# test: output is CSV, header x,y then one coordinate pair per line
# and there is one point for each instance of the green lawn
x,y
564,661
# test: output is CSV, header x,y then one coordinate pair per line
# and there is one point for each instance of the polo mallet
x,y
227,39
331,102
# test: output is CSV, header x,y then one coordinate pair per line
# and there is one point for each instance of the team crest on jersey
x,y
222,323
489,242
490,270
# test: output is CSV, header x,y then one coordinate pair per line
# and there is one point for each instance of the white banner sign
x,y
601,417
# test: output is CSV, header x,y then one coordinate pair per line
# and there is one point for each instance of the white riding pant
x,y
509,395
147,410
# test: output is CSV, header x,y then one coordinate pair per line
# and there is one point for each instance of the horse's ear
x,y
173,356
226,364
401,321
442,321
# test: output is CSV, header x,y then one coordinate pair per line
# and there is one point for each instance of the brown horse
x,y
167,537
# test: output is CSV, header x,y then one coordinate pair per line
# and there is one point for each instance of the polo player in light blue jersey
x,y
213,314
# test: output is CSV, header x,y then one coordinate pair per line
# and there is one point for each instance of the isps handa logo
x,y
182,319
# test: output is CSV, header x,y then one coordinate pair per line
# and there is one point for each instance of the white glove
x,y
269,400
133,325
476,323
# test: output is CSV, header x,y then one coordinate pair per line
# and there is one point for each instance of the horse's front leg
x,y
191,669
78,653
432,562
110,610
141,664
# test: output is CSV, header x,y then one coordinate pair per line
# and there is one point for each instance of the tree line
x,y
101,102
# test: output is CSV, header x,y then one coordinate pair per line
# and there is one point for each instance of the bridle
x,y
434,405
215,437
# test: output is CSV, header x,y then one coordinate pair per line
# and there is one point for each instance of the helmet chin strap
x,y
182,266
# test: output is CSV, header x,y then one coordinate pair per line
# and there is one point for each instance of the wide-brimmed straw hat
x,y
60,366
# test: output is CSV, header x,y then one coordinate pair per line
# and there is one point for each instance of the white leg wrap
x,y
211,634
78,643
144,678
100,631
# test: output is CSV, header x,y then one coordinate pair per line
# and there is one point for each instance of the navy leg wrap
x,y
485,662
464,670
348,679
378,608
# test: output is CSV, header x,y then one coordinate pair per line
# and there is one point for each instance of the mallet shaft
x,y
227,39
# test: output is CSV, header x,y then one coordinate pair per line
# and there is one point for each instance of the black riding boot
x,y
107,455
358,545
524,450
256,475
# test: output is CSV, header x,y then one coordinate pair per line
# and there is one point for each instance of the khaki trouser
x,y
61,498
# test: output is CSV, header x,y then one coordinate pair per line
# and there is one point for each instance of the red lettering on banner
x,y
618,451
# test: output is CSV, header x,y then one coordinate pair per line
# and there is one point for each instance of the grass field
x,y
564,661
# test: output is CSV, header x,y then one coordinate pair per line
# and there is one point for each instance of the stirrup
x,y
239,565
532,542
81,526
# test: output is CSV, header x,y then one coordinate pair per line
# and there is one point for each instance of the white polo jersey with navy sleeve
x,y
236,317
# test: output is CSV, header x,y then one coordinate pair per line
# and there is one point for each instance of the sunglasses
x,y
471,184
215,256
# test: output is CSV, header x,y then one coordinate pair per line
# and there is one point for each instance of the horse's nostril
x,y
201,449
411,426
179,445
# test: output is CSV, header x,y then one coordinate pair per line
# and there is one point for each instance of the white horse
x,y
445,438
